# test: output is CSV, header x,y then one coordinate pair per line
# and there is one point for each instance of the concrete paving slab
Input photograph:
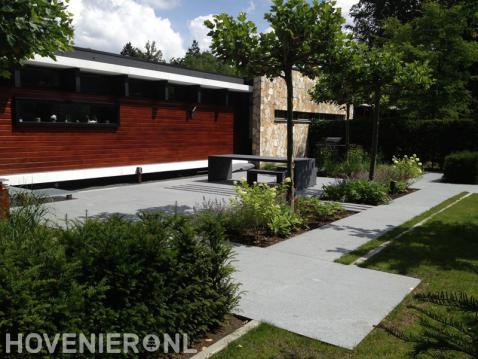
x,y
327,301
332,241
294,284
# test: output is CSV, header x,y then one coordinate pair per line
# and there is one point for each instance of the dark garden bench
x,y
220,168
253,172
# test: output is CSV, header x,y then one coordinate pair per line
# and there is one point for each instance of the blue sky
x,y
108,24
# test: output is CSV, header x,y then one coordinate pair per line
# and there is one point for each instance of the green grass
x,y
351,257
443,253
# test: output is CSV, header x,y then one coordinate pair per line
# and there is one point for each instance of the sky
x,y
108,24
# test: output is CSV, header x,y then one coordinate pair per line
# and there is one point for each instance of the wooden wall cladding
x,y
149,132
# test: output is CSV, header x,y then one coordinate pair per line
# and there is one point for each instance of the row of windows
x,y
65,113
299,116
53,79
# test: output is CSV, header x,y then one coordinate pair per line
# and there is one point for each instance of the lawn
x,y
443,253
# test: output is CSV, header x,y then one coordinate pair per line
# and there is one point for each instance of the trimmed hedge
x,y
431,140
160,274
461,167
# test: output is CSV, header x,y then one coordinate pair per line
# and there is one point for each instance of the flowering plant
x,y
407,168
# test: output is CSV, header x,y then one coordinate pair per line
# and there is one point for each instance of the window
x,y
330,117
40,77
177,93
141,88
97,84
213,97
63,113
306,117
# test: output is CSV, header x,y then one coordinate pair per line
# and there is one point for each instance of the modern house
x,y
91,114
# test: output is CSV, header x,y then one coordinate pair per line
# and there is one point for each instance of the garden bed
x,y
403,194
230,325
264,239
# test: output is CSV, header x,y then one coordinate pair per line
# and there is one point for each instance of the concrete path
x,y
295,284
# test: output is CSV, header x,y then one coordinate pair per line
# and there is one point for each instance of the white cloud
x,y
251,7
345,5
199,31
161,4
108,24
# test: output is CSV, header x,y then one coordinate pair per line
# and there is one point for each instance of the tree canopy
x,y
205,61
438,37
30,27
302,35
150,53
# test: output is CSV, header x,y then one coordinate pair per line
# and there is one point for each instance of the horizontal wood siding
x,y
149,132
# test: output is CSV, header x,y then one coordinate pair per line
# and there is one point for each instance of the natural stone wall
x,y
269,138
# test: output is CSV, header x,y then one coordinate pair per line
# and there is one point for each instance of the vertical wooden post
x,y
4,201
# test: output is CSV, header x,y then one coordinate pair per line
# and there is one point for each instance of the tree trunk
x,y
347,132
290,137
375,127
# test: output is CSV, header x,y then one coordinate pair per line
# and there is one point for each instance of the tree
x,y
205,61
337,81
381,70
194,50
301,36
440,37
370,15
129,50
151,53
30,27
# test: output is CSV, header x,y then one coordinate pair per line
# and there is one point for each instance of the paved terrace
x,y
295,284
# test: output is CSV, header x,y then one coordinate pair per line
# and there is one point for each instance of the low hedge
x,y
162,274
461,167
431,140
356,191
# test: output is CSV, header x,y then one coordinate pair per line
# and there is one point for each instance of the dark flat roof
x,y
116,59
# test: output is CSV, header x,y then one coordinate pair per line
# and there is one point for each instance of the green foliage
x,y
431,140
461,167
356,191
29,27
205,61
312,210
337,80
160,274
330,163
150,53
301,35
448,325
432,37
370,15
262,208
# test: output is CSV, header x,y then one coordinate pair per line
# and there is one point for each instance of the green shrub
x,y
313,210
160,274
261,208
356,191
461,167
331,164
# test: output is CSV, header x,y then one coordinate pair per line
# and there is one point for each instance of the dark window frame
x,y
65,125
303,117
